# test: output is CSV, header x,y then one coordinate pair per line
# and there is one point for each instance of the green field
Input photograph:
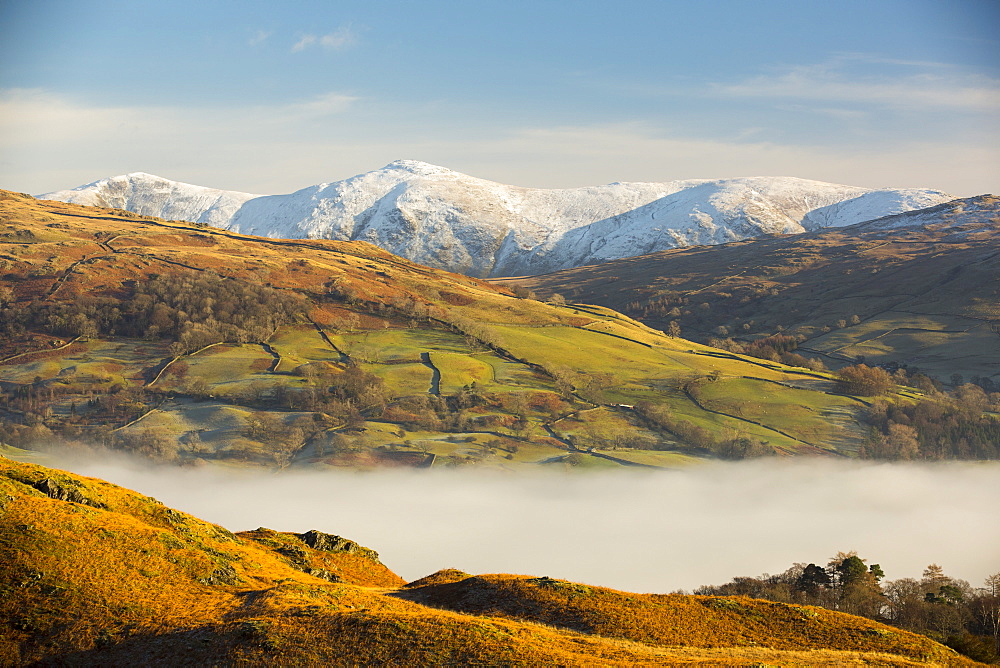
x,y
611,360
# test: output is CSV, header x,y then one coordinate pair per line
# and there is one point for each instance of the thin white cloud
x,y
259,37
832,112
304,42
638,152
921,86
34,115
338,40
48,142
322,105
877,59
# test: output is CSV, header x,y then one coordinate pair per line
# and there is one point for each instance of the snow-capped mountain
x,y
959,213
442,218
150,195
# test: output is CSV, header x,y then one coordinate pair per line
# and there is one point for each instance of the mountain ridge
x,y
445,219
915,289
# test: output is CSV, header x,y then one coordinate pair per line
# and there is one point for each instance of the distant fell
x,y
442,218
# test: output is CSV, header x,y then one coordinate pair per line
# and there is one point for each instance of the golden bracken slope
x,y
93,574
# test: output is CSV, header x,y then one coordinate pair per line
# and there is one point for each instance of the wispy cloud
x,y
583,155
342,38
34,115
832,112
322,105
259,37
49,142
899,84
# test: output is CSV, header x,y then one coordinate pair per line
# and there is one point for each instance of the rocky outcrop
x,y
64,492
326,542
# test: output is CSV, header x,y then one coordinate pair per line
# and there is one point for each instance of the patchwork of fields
x,y
190,344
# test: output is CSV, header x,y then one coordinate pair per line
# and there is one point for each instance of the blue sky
x,y
269,97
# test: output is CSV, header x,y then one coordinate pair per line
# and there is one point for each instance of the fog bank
x,y
643,532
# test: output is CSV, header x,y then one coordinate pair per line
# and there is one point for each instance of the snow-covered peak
x,y
439,217
416,167
151,195
955,213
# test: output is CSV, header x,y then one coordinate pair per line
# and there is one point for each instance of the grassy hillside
x,y
93,574
925,297
190,344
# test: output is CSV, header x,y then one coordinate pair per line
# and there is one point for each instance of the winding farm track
x,y
547,426
163,369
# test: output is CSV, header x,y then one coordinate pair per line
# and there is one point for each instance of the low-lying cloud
x,y
645,532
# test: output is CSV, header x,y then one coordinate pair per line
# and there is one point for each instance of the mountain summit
x,y
441,218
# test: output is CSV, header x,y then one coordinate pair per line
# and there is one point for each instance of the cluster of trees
x,y
521,292
959,425
956,426
193,309
33,435
667,304
776,348
590,387
738,309
947,609
342,394
110,405
987,384
864,381
454,412
432,413
279,436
